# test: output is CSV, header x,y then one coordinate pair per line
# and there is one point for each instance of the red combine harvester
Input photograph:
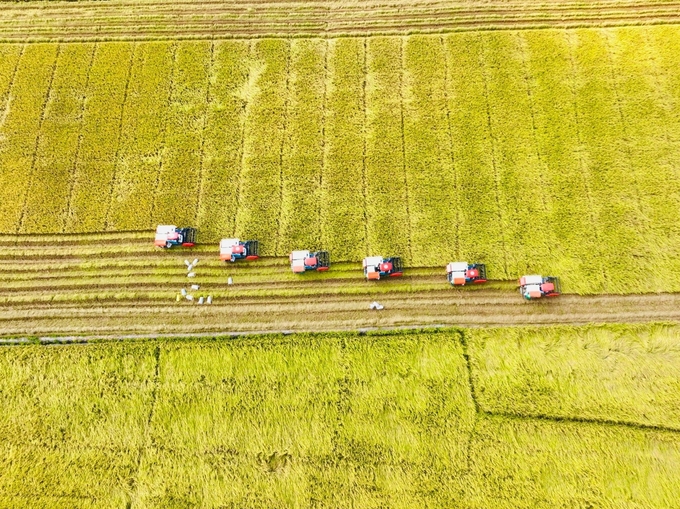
x,y
535,287
233,249
169,235
459,273
302,261
376,267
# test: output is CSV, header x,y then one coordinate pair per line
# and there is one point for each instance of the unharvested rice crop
x,y
342,420
552,151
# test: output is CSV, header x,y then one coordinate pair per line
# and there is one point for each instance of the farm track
x,y
123,285
160,19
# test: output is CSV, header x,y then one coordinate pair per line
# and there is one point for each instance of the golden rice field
x,y
551,151
522,417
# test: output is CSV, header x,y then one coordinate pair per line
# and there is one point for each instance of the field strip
x,y
92,20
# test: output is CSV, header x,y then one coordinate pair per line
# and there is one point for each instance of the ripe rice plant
x,y
50,177
22,119
302,155
621,373
259,197
142,139
387,200
231,85
346,420
104,105
343,185
176,195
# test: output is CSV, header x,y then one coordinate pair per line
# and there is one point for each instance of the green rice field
x,y
501,417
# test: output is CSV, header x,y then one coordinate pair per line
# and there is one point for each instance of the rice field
x,y
345,420
550,151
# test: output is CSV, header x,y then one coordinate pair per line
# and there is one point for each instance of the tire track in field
x,y
134,20
38,138
79,143
284,131
164,135
494,147
449,131
121,122
210,75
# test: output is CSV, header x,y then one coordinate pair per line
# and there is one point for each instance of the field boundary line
x,y
449,131
206,113
402,70
164,135
492,139
147,432
581,420
242,155
364,179
585,173
116,157
38,138
284,130
79,143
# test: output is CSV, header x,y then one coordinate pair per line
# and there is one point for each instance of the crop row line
x,y
208,101
284,131
34,155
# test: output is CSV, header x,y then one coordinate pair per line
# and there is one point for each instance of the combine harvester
x,y
302,261
376,267
535,287
168,236
233,249
460,273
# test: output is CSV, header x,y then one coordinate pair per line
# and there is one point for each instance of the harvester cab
x,y
169,235
302,261
460,273
376,267
534,287
234,249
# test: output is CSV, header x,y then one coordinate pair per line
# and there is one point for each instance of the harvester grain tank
x,y
535,286
234,249
460,273
376,267
304,260
169,235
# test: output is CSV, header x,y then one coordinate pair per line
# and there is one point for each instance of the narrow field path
x,y
119,285
162,19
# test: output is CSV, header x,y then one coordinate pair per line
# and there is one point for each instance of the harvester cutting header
x,y
304,260
169,235
234,249
376,267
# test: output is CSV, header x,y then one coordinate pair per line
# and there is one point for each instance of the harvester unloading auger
x,y
304,260
168,236
460,273
535,286
235,249
376,267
